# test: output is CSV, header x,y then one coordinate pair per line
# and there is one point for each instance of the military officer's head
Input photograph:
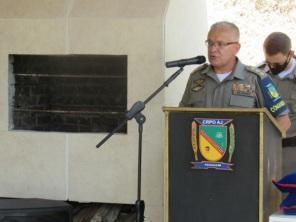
x,y
223,45
277,51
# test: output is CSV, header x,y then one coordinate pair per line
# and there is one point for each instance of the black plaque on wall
x,y
68,93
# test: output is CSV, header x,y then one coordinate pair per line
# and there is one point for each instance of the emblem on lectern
x,y
213,143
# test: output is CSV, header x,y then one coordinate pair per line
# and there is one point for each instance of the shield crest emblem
x,y
272,91
212,143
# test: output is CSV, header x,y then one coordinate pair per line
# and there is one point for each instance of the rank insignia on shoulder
x,y
213,143
198,84
201,67
261,66
256,71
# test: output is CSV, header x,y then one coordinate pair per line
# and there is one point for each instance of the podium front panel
x,y
211,195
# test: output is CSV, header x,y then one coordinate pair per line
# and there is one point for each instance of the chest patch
x,y
243,89
198,85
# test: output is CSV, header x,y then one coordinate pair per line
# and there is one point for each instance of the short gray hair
x,y
228,25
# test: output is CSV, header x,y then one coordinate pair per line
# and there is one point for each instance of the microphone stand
x,y
135,112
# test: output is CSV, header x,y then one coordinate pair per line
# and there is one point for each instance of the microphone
x,y
184,62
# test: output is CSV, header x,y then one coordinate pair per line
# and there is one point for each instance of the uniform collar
x,y
291,75
238,72
290,72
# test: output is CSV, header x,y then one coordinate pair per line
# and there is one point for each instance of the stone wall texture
x,y
256,19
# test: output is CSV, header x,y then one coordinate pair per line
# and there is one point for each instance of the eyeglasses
x,y
218,44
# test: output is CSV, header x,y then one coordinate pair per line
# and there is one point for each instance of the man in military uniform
x,y
226,82
280,63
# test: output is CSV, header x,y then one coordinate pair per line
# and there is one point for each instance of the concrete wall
x,y
186,27
67,165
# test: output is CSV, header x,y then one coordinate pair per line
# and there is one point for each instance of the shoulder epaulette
x,y
256,71
201,67
261,65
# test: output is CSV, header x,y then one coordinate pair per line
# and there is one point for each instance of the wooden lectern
x,y
219,163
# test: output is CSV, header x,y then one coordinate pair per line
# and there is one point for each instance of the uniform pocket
x,y
198,98
242,101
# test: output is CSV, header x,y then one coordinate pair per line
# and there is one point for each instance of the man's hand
x,y
284,122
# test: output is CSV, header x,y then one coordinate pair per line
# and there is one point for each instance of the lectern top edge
x,y
194,109
167,109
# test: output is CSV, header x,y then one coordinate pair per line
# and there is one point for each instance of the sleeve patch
x,y
273,101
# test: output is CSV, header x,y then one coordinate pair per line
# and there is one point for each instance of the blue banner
x,y
214,165
273,101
